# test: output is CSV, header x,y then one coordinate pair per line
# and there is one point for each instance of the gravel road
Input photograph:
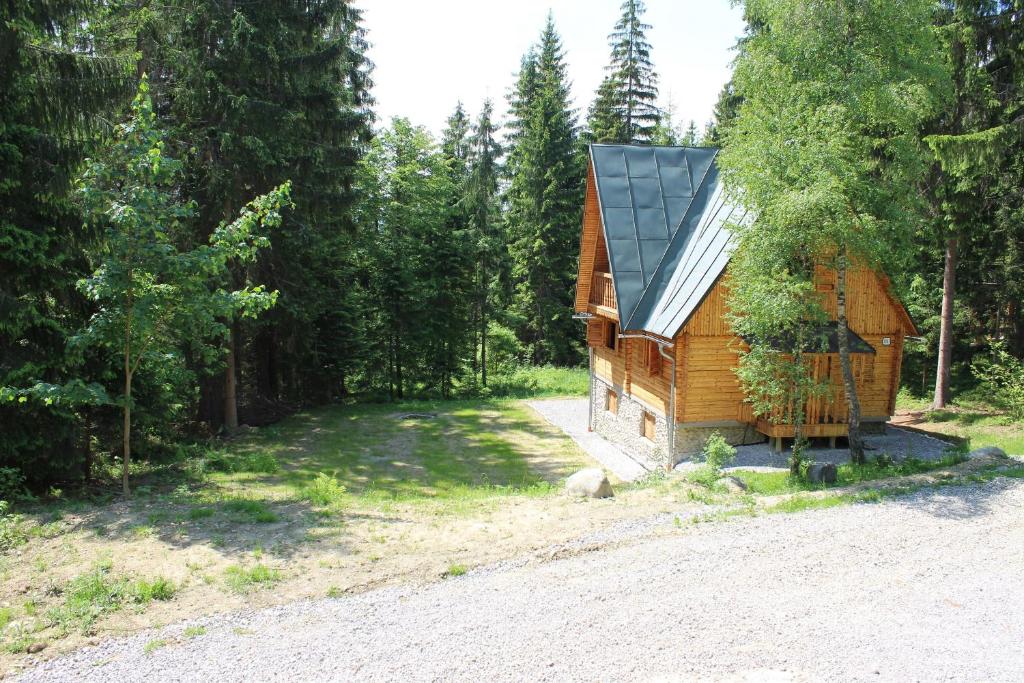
x,y
926,587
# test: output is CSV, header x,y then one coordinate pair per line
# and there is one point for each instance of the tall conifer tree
x,y
487,242
625,109
544,199
268,92
51,98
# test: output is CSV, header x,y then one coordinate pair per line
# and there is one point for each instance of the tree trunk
x,y
231,386
856,441
127,427
946,326
483,350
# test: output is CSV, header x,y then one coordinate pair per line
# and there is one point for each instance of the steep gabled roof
x,y
664,215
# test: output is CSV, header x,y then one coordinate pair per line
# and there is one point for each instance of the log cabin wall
x,y
707,388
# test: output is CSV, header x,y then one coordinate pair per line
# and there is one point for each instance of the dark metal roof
x,y
825,339
664,216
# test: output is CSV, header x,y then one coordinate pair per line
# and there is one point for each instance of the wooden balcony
x,y
602,292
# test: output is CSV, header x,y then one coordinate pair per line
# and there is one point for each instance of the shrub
x,y
717,452
12,528
325,491
12,484
1003,378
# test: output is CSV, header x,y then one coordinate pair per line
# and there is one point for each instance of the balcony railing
x,y
602,293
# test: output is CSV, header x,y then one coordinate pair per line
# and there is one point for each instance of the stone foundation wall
x,y
624,428
690,440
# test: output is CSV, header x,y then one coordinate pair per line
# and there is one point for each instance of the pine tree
x,y
266,92
725,112
544,199
975,142
487,242
408,251
666,131
625,109
691,138
54,101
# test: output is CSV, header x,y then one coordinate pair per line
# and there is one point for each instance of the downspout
x,y
670,419
590,389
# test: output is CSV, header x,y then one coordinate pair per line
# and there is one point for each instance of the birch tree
x,y
826,147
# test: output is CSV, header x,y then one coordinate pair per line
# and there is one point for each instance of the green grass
x,y
463,453
455,570
539,382
196,514
971,418
242,580
97,592
194,631
248,510
779,483
154,645
144,591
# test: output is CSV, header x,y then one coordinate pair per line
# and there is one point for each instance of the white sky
x,y
429,54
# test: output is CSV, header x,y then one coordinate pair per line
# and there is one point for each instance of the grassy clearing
x,y
542,382
971,419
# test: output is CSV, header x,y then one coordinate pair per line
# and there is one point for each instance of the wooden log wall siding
x,y
591,243
686,306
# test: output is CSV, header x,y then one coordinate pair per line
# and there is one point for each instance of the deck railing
x,y
602,293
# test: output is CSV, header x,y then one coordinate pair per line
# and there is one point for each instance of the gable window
x,y
611,335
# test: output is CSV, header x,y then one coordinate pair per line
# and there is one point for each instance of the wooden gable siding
x,y
707,388
592,238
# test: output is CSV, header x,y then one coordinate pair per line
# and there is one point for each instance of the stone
x,y
821,473
733,484
987,452
589,483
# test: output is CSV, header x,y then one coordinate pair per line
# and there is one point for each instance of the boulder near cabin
x,y
653,256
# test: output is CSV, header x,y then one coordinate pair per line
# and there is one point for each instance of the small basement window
x,y
647,425
611,402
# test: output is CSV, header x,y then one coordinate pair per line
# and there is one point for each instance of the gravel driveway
x,y
926,587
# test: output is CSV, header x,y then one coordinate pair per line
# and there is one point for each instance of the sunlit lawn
x,y
982,424
408,452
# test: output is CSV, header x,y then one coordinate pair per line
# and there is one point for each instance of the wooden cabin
x,y
650,287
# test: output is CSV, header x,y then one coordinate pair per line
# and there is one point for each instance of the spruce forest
x,y
204,225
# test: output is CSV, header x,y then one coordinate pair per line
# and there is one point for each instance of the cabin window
x,y
647,425
611,402
611,335
650,357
